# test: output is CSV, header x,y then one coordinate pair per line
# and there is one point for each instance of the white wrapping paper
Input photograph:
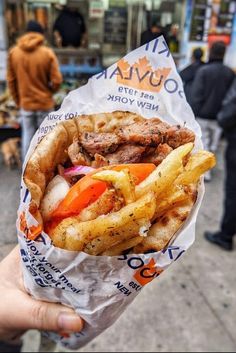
x,y
99,288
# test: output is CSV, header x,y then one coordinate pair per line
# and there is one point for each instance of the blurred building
x,y
114,27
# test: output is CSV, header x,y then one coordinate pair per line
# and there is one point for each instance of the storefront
x,y
208,21
114,27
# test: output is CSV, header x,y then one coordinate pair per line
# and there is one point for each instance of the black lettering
x,y
168,85
130,74
135,262
118,285
157,83
117,72
141,78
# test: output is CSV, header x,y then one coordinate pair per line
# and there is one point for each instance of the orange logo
x,y
141,75
30,232
147,273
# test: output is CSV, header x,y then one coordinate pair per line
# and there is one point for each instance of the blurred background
x,y
192,307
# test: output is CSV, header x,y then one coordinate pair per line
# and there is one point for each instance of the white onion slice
x,y
54,194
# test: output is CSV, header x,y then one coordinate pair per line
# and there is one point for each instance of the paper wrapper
x,y
100,288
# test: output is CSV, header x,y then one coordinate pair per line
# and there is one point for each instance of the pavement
x,y
190,308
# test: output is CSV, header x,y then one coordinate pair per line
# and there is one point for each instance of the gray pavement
x,y
190,308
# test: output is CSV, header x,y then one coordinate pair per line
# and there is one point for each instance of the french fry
x,y
197,165
164,230
121,181
121,234
175,195
165,174
70,234
125,245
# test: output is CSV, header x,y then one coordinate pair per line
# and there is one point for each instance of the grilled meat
x,y
102,143
77,154
126,154
147,133
176,136
150,141
157,155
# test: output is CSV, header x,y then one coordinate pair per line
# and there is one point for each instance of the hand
x,y
58,39
19,312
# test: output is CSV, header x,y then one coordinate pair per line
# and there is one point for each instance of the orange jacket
x,y
33,73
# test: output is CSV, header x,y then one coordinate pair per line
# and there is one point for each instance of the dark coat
x,y
227,114
210,86
188,74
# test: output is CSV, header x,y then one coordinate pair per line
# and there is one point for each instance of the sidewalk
x,y
190,308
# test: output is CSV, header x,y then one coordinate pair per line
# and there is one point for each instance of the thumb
x,y
53,317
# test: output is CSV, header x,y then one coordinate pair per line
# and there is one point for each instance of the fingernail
x,y
69,322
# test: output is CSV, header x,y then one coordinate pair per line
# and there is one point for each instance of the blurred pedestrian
x,y
69,28
210,85
173,40
19,312
227,120
33,76
188,74
151,33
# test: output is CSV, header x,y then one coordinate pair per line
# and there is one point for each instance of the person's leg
x,y
216,132
206,139
28,129
41,115
228,225
224,237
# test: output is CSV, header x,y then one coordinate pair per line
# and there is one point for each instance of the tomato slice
x,y
87,190
82,194
139,171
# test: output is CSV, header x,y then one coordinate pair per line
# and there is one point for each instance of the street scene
x,y
120,115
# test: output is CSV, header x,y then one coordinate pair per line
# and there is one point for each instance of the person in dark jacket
x,y
188,74
151,33
69,28
227,120
210,85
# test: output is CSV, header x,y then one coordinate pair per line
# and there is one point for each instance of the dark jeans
x,y
7,347
228,225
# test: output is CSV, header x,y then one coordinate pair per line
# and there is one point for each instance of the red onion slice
x,y
77,170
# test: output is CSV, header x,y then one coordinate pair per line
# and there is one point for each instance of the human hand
x,y
19,312
58,39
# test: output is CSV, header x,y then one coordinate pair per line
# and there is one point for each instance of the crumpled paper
x,y
99,288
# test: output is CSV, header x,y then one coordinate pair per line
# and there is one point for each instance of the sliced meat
x,y
101,143
126,154
150,132
158,154
176,136
77,155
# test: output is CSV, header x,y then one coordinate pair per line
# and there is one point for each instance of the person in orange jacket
x,y
33,76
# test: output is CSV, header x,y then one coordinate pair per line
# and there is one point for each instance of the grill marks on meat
x,y
157,155
150,141
77,154
126,154
177,136
101,143
148,133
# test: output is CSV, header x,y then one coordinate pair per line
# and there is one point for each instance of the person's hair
x,y
155,24
197,54
217,51
34,26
